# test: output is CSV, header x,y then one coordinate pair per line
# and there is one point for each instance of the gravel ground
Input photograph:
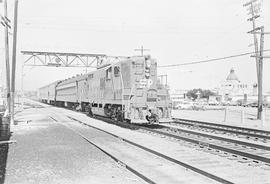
x,y
196,157
47,152
157,169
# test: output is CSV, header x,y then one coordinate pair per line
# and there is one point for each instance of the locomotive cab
x,y
149,100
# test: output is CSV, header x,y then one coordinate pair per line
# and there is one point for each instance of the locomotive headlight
x,y
151,107
148,63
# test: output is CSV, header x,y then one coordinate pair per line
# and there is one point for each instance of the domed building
x,y
232,89
232,76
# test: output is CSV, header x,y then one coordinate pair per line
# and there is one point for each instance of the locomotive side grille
x,y
125,68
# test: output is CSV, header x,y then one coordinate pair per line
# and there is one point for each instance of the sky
x,y
175,32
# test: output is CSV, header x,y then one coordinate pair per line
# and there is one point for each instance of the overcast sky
x,y
175,32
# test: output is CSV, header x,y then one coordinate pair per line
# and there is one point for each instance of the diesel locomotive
x,y
126,90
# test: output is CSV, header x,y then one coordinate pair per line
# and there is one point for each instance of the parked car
x,y
266,104
198,106
250,103
213,102
225,103
255,104
231,103
240,102
191,106
185,105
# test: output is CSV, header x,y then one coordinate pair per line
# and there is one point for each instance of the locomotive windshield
x,y
151,95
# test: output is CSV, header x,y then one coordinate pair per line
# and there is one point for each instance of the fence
x,y
246,115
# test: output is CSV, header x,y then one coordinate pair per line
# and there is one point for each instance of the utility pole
x,y
14,61
7,56
141,50
260,95
258,54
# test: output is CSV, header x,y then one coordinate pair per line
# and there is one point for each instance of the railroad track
x,y
242,151
197,170
249,133
117,160
233,149
214,176
248,152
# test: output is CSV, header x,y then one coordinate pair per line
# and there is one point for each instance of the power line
x,y
210,60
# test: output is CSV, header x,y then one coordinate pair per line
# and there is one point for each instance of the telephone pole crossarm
x,y
249,3
254,17
256,29
261,56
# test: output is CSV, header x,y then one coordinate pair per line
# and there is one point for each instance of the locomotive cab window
x,y
109,73
116,71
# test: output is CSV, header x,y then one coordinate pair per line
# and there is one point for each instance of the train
x,y
129,90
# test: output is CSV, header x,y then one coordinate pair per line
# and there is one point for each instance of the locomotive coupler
x,y
151,117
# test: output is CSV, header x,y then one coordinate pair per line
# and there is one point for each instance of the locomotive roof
x,y
79,77
53,83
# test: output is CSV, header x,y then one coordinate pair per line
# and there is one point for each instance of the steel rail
x,y
140,175
244,154
236,130
221,180
197,170
258,146
232,151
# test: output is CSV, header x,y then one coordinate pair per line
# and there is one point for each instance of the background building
x,y
178,96
232,89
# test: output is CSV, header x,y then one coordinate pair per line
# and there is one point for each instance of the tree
x,y
204,93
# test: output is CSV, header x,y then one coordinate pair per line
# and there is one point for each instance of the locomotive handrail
x,y
122,85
